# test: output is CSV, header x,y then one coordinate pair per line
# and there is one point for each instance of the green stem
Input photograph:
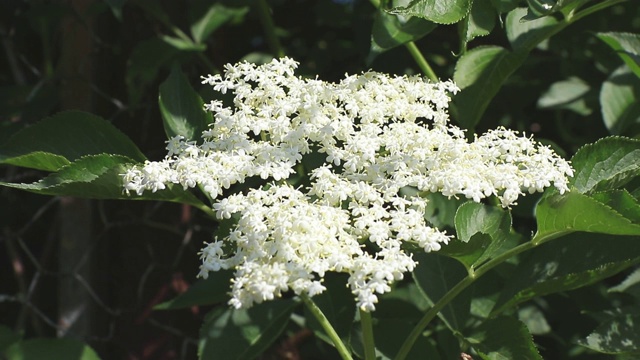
x,y
345,354
466,282
593,9
421,61
367,335
269,28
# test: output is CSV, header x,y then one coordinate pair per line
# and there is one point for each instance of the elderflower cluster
x,y
377,134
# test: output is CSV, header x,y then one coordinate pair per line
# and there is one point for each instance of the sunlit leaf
x,y
558,214
63,138
570,94
480,73
213,18
472,219
620,101
526,35
100,177
627,46
480,21
391,30
181,107
438,11
619,334
607,164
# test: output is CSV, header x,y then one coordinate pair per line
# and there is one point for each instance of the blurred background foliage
x,y
93,270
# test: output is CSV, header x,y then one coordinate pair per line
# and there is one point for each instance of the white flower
x,y
377,134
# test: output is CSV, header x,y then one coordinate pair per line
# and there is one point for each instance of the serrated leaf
x,y
181,107
576,260
473,218
607,164
480,21
391,30
558,214
215,16
435,275
480,73
620,101
63,138
211,291
627,46
534,319
504,338
50,349
99,177
567,94
622,201
619,334
244,333
438,11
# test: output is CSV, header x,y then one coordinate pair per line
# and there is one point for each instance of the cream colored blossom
x,y
378,134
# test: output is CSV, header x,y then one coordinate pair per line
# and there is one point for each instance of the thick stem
x,y
345,354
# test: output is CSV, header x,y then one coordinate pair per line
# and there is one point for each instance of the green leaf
x,y
627,46
504,338
480,73
214,17
480,21
473,218
619,334
620,101
182,44
60,139
607,164
504,6
245,333
50,349
435,275
630,285
524,36
181,107
574,261
211,291
99,177
622,201
391,30
567,94
557,214
437,11
7,337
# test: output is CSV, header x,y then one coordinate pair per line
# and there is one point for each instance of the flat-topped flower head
x,y
378,134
